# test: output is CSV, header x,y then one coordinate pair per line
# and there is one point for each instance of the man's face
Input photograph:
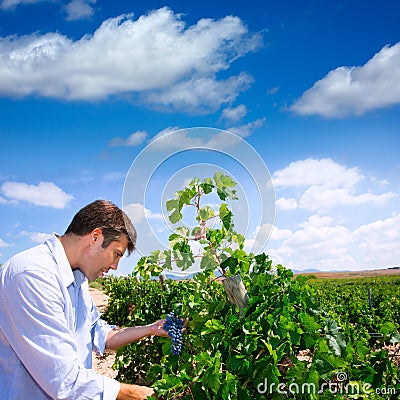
x,y
100,260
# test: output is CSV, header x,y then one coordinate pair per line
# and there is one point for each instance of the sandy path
x,y
102,365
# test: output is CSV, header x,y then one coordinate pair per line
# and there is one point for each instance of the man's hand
x,y
134,392
118,337
156,328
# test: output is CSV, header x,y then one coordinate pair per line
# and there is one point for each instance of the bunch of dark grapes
x,y
173,325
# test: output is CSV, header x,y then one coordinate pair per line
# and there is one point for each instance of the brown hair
x,y
109,218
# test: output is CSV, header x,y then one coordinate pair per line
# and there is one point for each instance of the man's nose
x,y
114,266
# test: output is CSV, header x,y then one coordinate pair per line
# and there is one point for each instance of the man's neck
x,y
72,246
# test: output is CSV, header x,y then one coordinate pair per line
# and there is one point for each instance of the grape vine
x,y
281,339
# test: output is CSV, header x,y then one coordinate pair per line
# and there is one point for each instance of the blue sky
x,y
312,87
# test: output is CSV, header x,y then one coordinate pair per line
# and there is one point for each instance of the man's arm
x,y
118,337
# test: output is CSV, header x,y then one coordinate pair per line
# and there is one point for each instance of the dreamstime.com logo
x,y
338,386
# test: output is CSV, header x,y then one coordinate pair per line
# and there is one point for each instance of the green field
x,y
331,321
348,301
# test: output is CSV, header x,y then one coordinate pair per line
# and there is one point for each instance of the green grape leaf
x,y
225,186
194,183
174,239
239,239
183,231
185,196
167,263
207,185
326,362
183,257
174,206
206,213
231,263
208,261
226,216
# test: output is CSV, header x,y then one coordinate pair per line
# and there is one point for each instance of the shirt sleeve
x,y
100,330
37,329
111,388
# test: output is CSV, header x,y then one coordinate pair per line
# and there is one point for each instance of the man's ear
x,y
95,235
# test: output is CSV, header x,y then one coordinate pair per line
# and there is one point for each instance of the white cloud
x,y
37,237
280,234
79,9
381,182
200,95
379,242
3,243
134,139
247,129
326,184
114,176
11,4
150,227
317,244
83,176
322,197
321,244
286,204
333,243
157,54
137,212
177,138
355,90
45,194
3,200
234,114
383,235
316,172
165,139
273,90
260,237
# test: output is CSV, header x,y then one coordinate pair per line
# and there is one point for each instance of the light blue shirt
x,y
49,326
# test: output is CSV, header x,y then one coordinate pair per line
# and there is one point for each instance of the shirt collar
x,y
57,249
79,278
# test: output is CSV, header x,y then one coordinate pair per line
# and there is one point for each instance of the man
x,y
48,321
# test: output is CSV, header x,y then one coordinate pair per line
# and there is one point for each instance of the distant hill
x,y
318,273
352,274
309,270
173,276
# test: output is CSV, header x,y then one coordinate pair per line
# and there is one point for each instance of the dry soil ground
x,y
102,365
354,274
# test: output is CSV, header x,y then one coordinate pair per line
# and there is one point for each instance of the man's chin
x,y
101,275
93,278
